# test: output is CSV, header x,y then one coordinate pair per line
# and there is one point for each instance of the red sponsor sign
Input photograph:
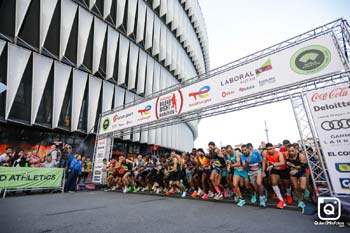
x,y
335,93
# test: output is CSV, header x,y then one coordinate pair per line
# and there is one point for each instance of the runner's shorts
x,y
207,171
253,175
173,176
224,172
217,169
300,174
188,174
284,174
243,174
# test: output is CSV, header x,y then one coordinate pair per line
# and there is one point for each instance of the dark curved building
x,y
64,62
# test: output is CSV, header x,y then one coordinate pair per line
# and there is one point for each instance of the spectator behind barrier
x,y
49,162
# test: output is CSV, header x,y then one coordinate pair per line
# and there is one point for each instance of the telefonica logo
x,y
310,59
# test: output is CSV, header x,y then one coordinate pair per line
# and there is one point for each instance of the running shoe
x,y
145,189
158,190
225,193
128,189
281,204
210,194
194,194
262,202
184,194
289,200
114,188
253,198
301,204
219,196
241,202
205,196
124,189
167,193
200,192
173,192
236,198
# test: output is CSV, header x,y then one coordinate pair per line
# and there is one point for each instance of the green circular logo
x,y
310,59
105,124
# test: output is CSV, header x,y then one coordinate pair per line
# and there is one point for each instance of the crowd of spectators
x,y
76,167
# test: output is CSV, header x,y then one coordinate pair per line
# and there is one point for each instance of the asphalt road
x,y
99,212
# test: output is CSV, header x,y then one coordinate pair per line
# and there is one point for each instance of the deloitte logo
x,y
310,59
105,124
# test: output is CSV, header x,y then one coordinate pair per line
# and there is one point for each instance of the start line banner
x,y
27,177
330,111
307,60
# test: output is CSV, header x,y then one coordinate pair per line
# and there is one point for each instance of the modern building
x,y
66,61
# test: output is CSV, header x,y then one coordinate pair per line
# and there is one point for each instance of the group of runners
x,y
218,173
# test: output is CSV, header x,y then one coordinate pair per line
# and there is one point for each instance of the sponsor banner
x,y
330,110
297,64
102,151
27,177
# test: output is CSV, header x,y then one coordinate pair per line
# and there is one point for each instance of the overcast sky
x,y
240,27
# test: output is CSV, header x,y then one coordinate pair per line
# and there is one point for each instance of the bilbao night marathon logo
x,y
202,93
169,104
310,60
146,111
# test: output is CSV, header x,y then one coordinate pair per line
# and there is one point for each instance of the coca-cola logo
x,y
335,93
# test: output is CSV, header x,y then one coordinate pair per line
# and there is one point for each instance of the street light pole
x,y
267,132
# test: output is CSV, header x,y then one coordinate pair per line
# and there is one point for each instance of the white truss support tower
x,y
308,140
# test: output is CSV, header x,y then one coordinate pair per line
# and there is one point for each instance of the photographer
x,y
75,170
